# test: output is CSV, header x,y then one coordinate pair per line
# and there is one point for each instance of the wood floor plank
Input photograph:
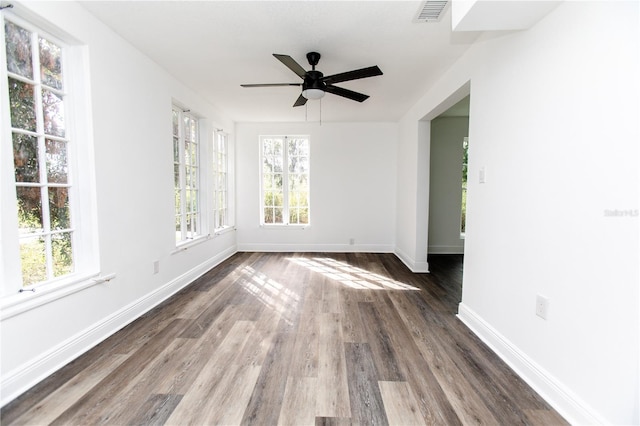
x,y
378,337
90,408
53,405
469,406
198,396
156,410
352,327
294,338
299,402
433,402
266,399
367,407
333,388
333,421
400,404
229,402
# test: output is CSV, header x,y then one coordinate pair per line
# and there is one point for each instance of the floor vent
x,y
431,11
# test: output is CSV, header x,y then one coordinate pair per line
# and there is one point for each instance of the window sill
x,y
24,301
224,230
190,243
282,226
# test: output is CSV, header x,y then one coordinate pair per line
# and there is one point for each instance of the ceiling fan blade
x,y
291,64
271,85
353,75
346,93
300,101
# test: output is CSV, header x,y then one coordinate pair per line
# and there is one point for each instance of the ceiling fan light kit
x,y
315,84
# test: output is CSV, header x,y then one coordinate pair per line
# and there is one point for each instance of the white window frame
x,y
285,182
187,235
80,180
221,182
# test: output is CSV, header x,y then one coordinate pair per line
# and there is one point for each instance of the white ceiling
x,y
214,46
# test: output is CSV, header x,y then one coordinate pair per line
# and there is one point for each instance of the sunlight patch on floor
x,y
350,276
268,291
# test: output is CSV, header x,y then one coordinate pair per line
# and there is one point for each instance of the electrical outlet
x,y
156,266
352,241
542,307
482,175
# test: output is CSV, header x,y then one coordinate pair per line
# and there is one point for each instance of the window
x,y
285,180
221,181
39,138
186,168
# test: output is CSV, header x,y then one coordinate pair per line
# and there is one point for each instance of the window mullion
x,y
42,157
285,181
183,179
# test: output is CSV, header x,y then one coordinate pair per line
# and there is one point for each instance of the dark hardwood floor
x,y
294,338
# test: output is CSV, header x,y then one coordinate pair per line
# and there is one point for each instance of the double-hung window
x,y
220,181
37,129
285,180
186,168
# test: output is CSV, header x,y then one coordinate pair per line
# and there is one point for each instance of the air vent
x,y
431,11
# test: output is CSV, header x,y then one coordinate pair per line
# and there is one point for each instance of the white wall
x,y
445,184
352,179
131,110
554,120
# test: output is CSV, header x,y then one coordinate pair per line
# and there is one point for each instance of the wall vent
x,y
431,11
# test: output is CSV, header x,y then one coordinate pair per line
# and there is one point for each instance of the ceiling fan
x,y
315,84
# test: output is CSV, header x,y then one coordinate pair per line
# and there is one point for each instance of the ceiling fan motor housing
x,y
313,80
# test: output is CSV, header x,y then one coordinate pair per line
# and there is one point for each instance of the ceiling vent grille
x,y
431,11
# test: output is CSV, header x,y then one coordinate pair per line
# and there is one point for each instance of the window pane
x,y
194,200
176,175
188,230
303,215
178,229
293,216
18,42
50,64
176,150
62,254
25,158
268,215
56,161
194,130
53,109
59,208
176,131
178,201
33,260
187,133
29,210
187,148
23,113
193,160
277,215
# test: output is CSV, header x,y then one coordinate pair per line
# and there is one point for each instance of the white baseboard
x,y
445,250
416,267
20,379
563,400
327,248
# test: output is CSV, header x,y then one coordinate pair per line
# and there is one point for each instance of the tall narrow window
x,y
43,181
221,181
186,168
465,160
285,180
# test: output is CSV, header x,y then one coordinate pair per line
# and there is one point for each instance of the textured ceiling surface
x,y
214,46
